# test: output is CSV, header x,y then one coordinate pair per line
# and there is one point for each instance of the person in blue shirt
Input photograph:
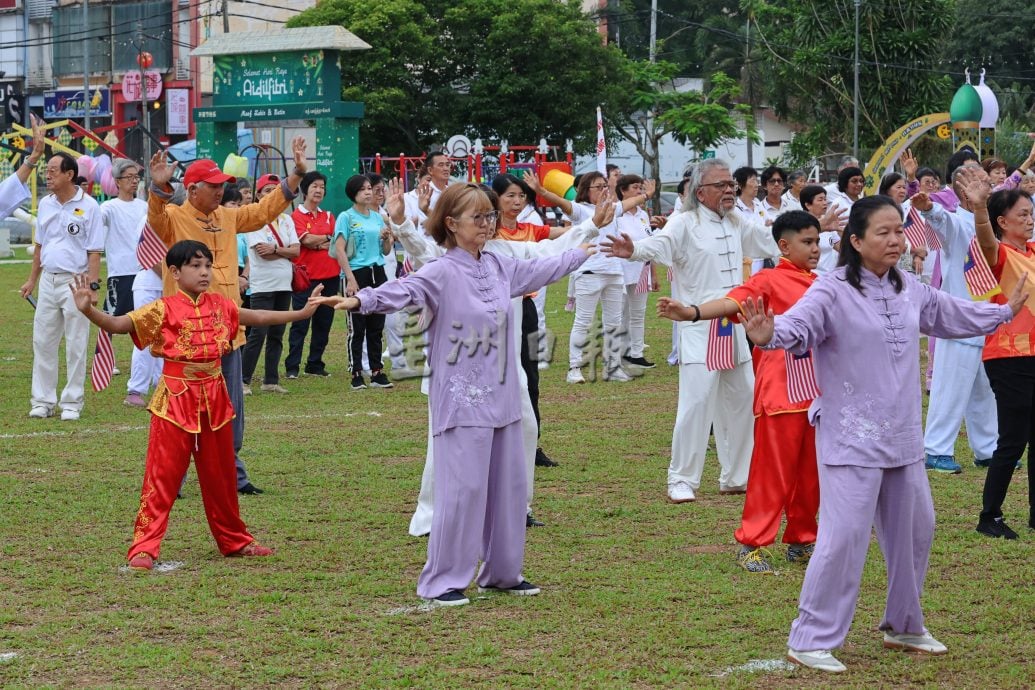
x,y
361,240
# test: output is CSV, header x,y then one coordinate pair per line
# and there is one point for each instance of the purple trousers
x,y
898,503
479,510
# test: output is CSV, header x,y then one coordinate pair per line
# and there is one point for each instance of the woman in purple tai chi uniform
x,y
480,482
863,322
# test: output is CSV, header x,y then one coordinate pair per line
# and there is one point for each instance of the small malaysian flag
x,y
407,267
981,281
720,345
801,377
644,284
150,249
918,232
103,361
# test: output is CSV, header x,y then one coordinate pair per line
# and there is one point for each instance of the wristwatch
x,y
95,286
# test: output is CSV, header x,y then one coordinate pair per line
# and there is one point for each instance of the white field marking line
x,y
112,429
8,656
757,666
423,607
159,567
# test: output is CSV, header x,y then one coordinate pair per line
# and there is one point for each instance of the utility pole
x,y
86,65
226,17
855,108
747,78
145,113
651,142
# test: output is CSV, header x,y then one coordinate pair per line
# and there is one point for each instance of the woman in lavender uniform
x,y
863,322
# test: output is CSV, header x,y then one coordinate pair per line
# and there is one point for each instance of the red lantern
x,y
145,60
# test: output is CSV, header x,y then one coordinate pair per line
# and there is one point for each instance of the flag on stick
x,y
103,361
801,377
601,145
980,281
720,345
918,232
150,249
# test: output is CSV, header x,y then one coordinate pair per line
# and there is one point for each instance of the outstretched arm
x,y
675,310
84,298
38,144
266,317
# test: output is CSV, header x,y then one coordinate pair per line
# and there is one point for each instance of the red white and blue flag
x,y
981,281
643,285
918,232
103,361
601,145
720,345
801,377
150,249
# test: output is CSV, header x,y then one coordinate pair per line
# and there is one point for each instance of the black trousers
x,y
321,320
366,328
119,298
271,336
1013,383
530,352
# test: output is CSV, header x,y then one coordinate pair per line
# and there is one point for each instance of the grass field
x,y
636,592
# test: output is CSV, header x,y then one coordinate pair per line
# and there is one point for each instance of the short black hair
x,y
68,164
624,182
958,159
375,178
743,174
846,175
927,172
231,193
309,178
809,194
793,222
181,253
354,184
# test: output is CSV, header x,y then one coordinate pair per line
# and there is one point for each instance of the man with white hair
x,y
705,246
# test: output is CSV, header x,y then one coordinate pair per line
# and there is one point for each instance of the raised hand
x,y
835,219
39,142
1020,294
618,245
604,212
759,324
909,164
975,185
648,188
161,169
424,196
395,204
298,151
532,180
81,292
922,201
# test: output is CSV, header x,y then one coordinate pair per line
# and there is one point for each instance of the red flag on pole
x,y
601,145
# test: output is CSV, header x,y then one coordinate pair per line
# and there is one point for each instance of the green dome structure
x,y
966,109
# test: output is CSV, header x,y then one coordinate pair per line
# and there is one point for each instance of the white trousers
x,y
543,347
420,523
57,316
145,368
719,400
960,390
633,313
609,291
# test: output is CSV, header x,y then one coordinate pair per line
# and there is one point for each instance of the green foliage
x,y
809,70
485,68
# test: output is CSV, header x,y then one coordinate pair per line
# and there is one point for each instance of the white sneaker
x,y
273,388
618,375
69,415
115,371
40,412
923,644
575,376
543,364
680,492
819,659
247,388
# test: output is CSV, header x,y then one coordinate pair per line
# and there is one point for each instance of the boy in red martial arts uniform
x,y
783,476
190,408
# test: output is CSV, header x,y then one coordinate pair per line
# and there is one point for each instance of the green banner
x,y
293,111
275,78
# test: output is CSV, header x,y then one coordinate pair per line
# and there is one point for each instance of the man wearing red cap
x,y
201,218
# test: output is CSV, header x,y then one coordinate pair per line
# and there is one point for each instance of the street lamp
x,y
855,104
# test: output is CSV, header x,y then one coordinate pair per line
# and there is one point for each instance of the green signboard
x,y
264,79
288,111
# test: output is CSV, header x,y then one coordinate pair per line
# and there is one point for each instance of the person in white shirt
x,y
634,222
122,219
846,162
69,242
705,246
270,253
773,179
796,182
850,185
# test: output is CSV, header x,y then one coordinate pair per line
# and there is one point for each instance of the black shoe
x,y
521,589
996,528
358,383
453,597
532,522
322,373
542,459
982,462
379,380
249,489
639,362
292,375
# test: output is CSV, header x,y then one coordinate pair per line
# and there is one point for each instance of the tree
x,y
810,56
485,68
701,119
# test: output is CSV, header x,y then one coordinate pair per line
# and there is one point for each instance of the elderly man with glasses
x,y
705,247
202,218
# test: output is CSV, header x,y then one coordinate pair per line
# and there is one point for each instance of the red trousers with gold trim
x,y
169,451
783,479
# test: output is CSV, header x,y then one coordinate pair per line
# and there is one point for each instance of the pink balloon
x,y
86,165
108,183
100,164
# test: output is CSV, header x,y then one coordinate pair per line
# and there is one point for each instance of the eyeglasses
x,y
129,177
775,180
598,186
484,218
724,184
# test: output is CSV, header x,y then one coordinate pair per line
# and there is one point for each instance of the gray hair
x,y
794,177
848,162
697,175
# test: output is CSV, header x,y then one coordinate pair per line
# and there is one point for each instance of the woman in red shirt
x,y
315,228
